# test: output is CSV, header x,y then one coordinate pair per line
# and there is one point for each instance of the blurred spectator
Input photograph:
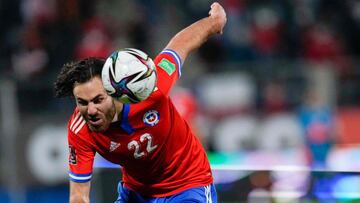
x,y
237,32
266,32
139,29
322,46
95,41
317,122
38,11
186,104
274,98
31,58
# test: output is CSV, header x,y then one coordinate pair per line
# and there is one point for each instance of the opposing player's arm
x,y
196,34
79,192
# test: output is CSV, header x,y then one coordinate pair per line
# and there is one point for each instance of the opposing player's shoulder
x,y
76,122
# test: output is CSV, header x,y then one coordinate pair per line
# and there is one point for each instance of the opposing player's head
x,y
82,79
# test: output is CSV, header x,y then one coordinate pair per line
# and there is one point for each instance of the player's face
x,y
95,105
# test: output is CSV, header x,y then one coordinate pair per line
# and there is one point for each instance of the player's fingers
x,y
218,12
216,8
214,4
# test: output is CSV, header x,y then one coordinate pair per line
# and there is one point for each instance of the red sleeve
x,y
168,68
81,154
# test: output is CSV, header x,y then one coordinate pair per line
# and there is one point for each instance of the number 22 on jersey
x,y
138,152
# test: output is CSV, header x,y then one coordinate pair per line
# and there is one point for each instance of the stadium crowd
x,y
281,56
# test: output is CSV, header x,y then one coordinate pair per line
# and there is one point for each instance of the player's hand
x,y
217,13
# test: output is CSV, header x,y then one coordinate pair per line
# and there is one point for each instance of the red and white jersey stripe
x,y
77,123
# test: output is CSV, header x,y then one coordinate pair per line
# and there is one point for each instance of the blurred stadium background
x,y
275,100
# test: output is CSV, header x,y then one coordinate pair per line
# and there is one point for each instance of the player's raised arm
x,y
196,34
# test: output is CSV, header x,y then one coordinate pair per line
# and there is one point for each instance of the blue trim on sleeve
x,y
125,125
176,57
80,178
80,175
79,181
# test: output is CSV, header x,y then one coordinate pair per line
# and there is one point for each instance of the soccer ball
x,y
129,75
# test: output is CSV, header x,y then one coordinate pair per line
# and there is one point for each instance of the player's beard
x,y
107,118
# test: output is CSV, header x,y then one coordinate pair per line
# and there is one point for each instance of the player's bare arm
x,y
193,36
79,192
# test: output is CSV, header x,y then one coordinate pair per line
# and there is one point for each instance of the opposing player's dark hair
x,y
77,71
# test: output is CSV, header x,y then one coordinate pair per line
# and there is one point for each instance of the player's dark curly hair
x,y
80,72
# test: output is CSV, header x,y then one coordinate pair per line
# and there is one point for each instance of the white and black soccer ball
x,y
129,75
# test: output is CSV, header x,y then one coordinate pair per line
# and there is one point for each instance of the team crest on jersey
x,y
151,117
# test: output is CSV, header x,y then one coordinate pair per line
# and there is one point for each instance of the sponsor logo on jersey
x,y
151,117
72,155
113,146
167,66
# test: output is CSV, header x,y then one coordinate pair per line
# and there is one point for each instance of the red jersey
x,y
159,154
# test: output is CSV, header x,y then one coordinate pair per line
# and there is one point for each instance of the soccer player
x,y
161,159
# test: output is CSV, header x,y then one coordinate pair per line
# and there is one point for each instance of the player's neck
x,y
118,109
